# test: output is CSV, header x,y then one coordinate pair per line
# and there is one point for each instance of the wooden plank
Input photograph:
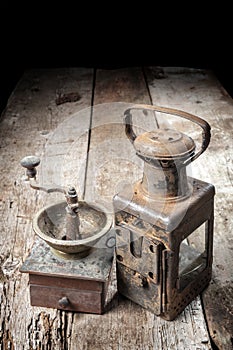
x,y
200,93
126,325
31,118
112,163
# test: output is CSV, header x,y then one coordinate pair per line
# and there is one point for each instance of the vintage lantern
x,y
164,227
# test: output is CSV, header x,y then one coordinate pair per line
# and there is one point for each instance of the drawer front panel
x,y
67,299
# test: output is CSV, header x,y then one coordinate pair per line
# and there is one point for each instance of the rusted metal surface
x,y
155,266
175,112
50,224
71,228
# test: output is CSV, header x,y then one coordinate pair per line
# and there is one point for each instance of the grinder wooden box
x,y
75,285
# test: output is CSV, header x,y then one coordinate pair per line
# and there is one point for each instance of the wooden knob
x,y
64,302
30,163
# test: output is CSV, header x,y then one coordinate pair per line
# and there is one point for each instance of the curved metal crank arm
x,y
46,188
30,163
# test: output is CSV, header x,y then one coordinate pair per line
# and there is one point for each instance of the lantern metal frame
x,y
150,228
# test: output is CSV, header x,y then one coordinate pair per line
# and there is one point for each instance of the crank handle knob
x,y
30,163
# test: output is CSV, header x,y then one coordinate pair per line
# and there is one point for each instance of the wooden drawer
x,y
76,285
67,299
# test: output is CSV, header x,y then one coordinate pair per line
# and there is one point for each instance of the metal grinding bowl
x,y
50,225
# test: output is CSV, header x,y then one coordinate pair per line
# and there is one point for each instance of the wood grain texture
x,y
33,123
111,164
200,93
29,121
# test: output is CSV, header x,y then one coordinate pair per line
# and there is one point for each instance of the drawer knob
x,y
64,302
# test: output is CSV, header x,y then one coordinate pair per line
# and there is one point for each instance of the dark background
x,y
112,35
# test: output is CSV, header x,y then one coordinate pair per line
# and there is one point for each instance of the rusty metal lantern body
x,y
157,267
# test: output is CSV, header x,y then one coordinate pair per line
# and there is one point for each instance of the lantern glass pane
x,y
192,256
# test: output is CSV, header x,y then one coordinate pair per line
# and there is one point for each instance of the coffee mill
x,y
70,264
164,227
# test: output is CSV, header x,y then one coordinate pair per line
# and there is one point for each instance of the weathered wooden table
x,y
83,142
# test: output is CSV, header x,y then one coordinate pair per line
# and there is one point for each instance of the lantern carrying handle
x,y
193,118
